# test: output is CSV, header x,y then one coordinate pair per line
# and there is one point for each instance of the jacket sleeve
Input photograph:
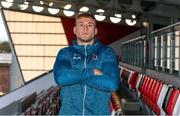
x,y
110,80
63,72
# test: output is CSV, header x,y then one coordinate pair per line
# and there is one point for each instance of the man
x,y
87,72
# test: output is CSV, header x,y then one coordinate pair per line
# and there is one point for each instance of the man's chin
x,y
86,40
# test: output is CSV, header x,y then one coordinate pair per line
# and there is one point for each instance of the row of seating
x,y
115,105
160,97
47,103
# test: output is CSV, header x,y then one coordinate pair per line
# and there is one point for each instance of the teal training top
x,y
82,92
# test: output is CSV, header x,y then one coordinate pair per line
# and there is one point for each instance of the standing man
x,y
87,72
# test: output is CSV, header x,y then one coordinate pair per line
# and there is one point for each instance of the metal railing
x,y
160,50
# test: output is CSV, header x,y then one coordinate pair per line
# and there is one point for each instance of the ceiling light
x,y
7,3
53,11
100,11
118,15
115,19
84,9
130,22
133,16
37,8
68,6
25,2
46,3
99,16
51,4
9,0
67,12
145,24
23,6
41,2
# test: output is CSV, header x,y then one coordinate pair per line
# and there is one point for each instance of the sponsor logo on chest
x,y
78,57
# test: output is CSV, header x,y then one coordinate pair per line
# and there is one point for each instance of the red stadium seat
x,y
125,74
133,80
166,100
172,101
138,85
151,93
162,96
156,93
176,110
149,87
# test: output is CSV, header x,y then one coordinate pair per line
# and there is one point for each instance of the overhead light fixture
x,y
145,24
37,8
46,3
7,3
23,6
84,9
26,2
116,18
53,11
67,12
131,22
133,16
67,7
51,4
118,15
41,2
99,16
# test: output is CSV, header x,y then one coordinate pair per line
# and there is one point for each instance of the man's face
x,y
85,30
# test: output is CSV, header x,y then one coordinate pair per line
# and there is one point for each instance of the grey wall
x,y
117,45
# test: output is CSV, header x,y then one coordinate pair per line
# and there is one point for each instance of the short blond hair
x,y
86,14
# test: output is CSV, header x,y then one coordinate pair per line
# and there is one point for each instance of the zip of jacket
x,y
85,66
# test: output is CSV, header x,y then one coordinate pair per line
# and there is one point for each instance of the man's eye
x,y
80,25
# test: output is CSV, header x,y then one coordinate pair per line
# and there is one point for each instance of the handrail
x,y
167,27
156,31
134,39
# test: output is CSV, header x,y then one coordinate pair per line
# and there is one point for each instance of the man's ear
x,y
96,30
74,30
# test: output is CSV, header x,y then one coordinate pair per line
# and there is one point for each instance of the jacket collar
x,y
89,48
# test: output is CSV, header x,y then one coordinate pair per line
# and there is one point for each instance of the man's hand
x,y
97,72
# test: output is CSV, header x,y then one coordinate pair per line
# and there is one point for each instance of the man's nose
x,y
85,27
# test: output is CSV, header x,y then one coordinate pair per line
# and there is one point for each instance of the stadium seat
x,y
172,102
162,96
138,85
176,110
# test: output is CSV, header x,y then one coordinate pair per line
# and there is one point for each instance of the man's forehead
x,y
85,19
89,22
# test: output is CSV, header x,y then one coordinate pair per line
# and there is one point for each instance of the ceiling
x,y
163,12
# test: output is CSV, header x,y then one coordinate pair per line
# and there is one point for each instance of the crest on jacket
x,y
94,57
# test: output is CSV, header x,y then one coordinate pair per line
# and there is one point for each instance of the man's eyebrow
x,y
92,22
79,22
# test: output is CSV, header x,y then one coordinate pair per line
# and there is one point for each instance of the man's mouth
x,y
85,33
